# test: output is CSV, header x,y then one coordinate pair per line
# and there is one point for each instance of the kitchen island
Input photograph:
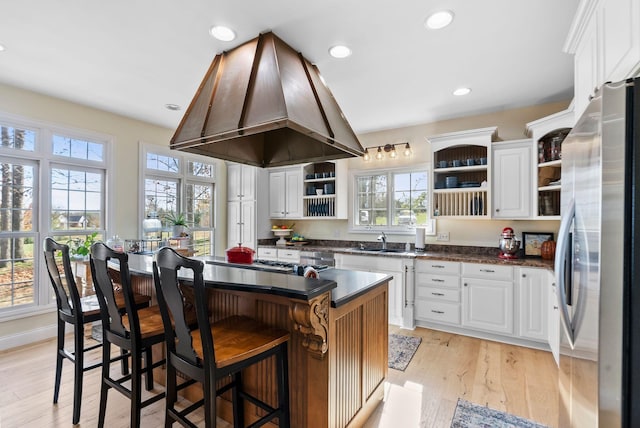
x,y
339,337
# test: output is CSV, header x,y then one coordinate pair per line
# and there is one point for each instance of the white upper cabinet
x,y
511,179
241,182
605,40
461,162
285,193
545,167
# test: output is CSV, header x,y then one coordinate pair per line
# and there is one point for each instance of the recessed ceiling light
x,y
339,51
2,48
461,91
439,20
222,33
172,107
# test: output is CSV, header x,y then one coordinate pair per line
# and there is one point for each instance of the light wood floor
x,y
446,367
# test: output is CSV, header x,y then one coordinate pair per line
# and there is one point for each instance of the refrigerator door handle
x,y
560,268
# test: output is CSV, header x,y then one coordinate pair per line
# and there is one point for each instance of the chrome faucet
x,y
383,238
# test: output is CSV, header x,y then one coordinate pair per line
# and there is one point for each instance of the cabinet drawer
x,y
439,294
436,266
286,255
504,273
268,253
438,311
435,280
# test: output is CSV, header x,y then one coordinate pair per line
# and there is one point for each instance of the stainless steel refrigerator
x,y
596,259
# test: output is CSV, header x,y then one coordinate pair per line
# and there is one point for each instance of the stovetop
x,y
287,266
267,265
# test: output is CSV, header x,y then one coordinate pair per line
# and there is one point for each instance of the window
x,y
391,200
51,184
176,182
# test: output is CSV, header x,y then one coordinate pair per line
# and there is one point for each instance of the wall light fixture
x,y
389,149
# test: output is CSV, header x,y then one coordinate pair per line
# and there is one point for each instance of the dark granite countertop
x,y
239,279
452,253
345,285
352,284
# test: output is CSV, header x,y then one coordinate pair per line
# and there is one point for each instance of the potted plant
x,y
178,222
79,248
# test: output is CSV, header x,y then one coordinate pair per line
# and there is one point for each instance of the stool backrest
x,y
173,305
111,315
64,284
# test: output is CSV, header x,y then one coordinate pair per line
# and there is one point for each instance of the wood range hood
x,y
263,104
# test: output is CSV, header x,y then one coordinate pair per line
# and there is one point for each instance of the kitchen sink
x,y
377,250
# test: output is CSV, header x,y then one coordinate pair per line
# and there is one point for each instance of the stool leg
x,y
104,388
136,388
283,386
59,359
171,393
78,365
210,403
148,362
238,402
124,362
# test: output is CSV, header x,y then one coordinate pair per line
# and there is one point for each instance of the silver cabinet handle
x,y
487,270
437,312
437,280
438,294
437,266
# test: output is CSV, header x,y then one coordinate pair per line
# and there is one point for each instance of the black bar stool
x,y
215,351
135,331
76,311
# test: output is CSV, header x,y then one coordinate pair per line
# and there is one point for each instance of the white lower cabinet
x,y
395,266
487,305
532,289
487,297
437,295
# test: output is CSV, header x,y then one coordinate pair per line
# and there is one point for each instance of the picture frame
x,y
532,243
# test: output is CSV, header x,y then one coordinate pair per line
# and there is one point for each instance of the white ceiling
x,y
134,56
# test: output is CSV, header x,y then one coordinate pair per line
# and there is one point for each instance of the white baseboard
x,y
27,337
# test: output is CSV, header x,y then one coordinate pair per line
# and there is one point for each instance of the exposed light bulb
x,y
379,154
366,156
393,153
407,150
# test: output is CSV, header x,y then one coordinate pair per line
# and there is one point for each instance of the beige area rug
x,y
469,415
401,350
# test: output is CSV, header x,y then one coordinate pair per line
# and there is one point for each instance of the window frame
x,y
184,178
430,225
43,158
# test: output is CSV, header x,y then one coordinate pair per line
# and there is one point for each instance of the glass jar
x,y
152,226
116,244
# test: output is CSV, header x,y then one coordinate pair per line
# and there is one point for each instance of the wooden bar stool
x,y
135,331
76,311
215,351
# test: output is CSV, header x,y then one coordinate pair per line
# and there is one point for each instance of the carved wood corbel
x,y
311,319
